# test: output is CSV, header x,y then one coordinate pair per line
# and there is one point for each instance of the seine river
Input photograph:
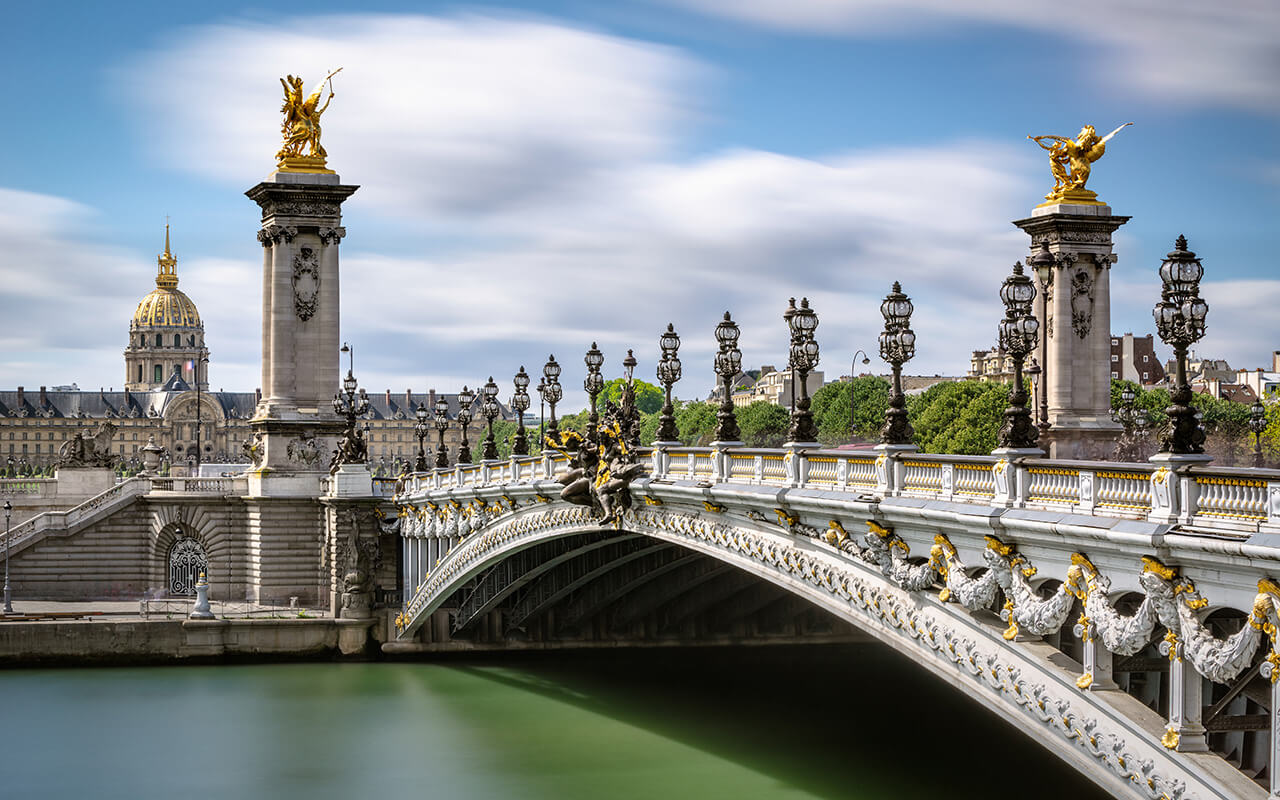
x,y
802,722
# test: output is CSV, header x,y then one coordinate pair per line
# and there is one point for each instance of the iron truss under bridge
x,y
1123,613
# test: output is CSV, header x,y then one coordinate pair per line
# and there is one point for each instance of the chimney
x,y
408,401
126,396
44,397
431,399
22,397
1275,360
388,399
257,395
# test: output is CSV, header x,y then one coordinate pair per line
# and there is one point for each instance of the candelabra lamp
x,y
520,404
803,360
897,346
1257,424
728,363
668,373
1135,422
489,408
353,448
1180,321
442,424
1018,333
593,385
421,429
552,391
465,398
1042,264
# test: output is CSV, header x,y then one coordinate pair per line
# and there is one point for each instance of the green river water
x,y
796,722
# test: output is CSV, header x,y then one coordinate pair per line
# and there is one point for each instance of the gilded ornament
x,y
1071,161
302,151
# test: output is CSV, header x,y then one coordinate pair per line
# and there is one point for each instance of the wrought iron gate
x,y
186,561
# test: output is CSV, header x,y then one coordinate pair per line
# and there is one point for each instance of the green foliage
x,y
649,398
648,428
865,399
1226,423
958,416
504,432
763,424
696,422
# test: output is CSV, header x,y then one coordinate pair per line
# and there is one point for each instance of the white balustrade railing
x,y
1236,500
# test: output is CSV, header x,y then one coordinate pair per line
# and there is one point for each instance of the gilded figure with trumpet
x,y
302,151
1071,160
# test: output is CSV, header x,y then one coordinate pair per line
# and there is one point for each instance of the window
x,y
1144,359
159,343
24,448
159,374
1115,375
37,448
1144,376
177,340
1114,358
1115,342
139,373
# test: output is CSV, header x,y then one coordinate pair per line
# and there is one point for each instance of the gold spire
x,y
167,275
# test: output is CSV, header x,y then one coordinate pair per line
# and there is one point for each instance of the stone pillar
x,y
1076,324
301,229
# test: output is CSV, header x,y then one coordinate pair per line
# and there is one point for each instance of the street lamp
x,y
421,428
728,363
551,391
1135,422
353,448
803,359
465,398
203,359
668,374
489,408
441,415
853,412
1257,424
593,384
8,604
542,411
520,404
1180,321
1018,333
897,346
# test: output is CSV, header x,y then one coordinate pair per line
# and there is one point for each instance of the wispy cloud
x,y
1184,51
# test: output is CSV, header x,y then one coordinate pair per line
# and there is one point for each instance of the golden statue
x,y
1078,155
301,126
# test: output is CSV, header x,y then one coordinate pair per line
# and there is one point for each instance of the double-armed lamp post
x,y
1018,331
441,415
669,369
489,408
421,428
803,359
897,346
465,398
593,385
728,363
552,392
1180,321
520,404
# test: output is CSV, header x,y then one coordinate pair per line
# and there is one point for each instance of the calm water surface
x,y
802,722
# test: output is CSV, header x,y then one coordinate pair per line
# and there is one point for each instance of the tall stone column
x,y
1076,324
295,426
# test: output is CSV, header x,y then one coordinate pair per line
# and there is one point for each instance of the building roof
x,y
165,306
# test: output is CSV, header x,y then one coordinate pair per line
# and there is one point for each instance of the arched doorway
x,y
186,561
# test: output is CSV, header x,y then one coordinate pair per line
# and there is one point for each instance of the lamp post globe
x,y
1180,321
804,351
552,392
593,385
1257,424
441,414
465,398
421,429
520,404
668,372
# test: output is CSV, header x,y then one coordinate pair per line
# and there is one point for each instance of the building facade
x,y
1133,358
166,398
990,365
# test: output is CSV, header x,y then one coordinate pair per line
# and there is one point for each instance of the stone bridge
x,y
1122,614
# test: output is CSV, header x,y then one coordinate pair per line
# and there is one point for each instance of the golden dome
x,y
166,306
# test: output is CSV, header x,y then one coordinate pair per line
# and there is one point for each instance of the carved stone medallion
x,y
306,282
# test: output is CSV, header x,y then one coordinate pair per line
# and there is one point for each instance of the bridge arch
x,y
1114,739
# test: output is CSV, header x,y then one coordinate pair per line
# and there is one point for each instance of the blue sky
x,y
536,176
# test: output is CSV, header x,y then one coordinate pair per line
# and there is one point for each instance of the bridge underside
x,y
608,588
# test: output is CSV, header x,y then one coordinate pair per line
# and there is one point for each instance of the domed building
x,y
166,336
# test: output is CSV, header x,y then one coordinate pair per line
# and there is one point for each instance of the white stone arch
x,y
1114,740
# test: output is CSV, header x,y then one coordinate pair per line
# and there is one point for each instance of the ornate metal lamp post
x,y
1018,332
1135,422
1180,317
804,358
668,374
728,363
1257,424
593,384
465,398
421,429
897,346
551,391
8,604
203,359
542,412
441,414
489,408
520,404
853,412
353,448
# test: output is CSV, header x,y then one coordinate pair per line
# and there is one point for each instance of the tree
x,y
959,416
649,398
763,424
865,399
648,428
696,422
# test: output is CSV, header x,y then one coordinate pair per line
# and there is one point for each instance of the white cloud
x,y
1183,51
